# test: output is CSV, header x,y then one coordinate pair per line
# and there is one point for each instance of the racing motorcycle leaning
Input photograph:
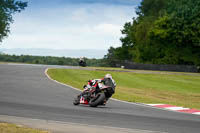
x,y
94,94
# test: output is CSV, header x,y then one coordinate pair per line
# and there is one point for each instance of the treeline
x,y
165,32
49,60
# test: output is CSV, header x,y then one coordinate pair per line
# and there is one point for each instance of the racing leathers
x,y
108,82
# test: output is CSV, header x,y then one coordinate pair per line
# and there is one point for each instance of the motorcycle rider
x,y
82,62
107,81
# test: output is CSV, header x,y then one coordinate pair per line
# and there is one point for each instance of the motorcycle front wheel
x,y
98,99
76,100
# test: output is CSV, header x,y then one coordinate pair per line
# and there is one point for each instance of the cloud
x,y
71,26
108,29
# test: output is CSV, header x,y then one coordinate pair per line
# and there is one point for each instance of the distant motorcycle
x,y
82,63
92,96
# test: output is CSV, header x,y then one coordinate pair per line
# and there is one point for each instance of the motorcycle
x,y
92,96
82,63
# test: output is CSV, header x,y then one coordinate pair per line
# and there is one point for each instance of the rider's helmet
x,y
108,76
81,58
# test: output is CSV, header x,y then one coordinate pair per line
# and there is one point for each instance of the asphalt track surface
x,y
25,91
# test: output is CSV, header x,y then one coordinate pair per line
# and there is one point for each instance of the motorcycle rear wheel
x,y
99,98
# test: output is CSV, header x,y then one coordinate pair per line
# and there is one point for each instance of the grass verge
x,y
11,128
180,90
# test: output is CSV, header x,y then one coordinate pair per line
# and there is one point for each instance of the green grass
x,y
142,71
11,128
180,90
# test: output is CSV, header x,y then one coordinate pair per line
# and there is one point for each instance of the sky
x,y
70,24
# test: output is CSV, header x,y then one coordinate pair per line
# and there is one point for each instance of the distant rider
x,y
82,62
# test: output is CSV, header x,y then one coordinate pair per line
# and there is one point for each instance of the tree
x,y
151,8
7,9
178,33
123,53
165,32
111,57
135,41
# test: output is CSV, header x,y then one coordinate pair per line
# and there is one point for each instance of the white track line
x,y
58,81
196,113
155,104
176,108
